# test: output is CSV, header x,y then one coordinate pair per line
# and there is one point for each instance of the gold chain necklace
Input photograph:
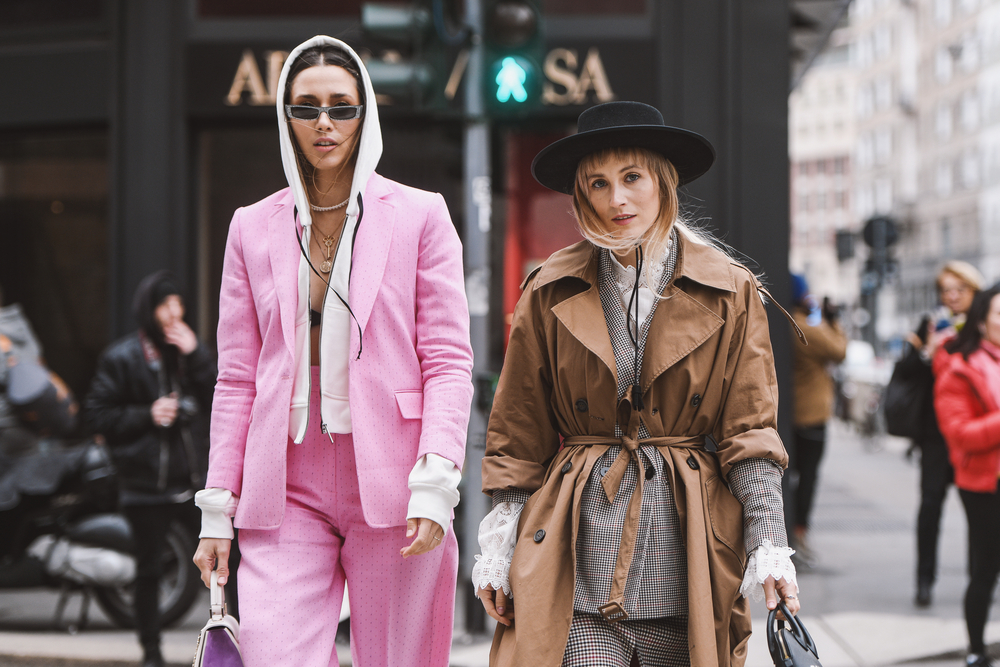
x,y
327,248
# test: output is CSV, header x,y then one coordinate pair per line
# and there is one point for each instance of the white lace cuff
x,y
497,539
767,561
218,507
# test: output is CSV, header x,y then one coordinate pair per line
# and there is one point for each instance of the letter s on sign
x,y
560,69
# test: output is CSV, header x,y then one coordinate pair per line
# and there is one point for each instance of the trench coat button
x,y
696,400
539,535
566,468
604,471
581,404
650,472
693,463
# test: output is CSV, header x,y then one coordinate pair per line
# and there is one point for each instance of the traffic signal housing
x,y
407,78
514,44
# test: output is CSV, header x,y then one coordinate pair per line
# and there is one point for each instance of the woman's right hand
x,y
497,604
212,550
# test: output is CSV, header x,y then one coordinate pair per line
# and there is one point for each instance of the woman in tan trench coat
x,y
642,348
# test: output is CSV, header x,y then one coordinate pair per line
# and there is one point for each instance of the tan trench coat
x,y
707,369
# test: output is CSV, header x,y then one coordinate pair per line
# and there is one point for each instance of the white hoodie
x,y
434,480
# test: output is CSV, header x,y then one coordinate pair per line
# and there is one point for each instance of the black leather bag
x,y
907,398
789,642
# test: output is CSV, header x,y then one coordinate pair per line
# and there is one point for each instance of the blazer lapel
x,y
370,253
284,251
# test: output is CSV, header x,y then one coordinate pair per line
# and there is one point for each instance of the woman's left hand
x,y
428,535
788,591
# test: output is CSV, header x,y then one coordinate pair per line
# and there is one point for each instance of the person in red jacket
x,y
967,402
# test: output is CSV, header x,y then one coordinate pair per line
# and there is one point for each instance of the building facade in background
x,y
822,136
925,79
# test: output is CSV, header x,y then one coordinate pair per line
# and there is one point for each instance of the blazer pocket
x,y
411,403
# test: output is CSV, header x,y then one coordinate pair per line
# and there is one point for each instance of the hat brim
x,y
690,153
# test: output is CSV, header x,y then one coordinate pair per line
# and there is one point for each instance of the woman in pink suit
x,y
340,414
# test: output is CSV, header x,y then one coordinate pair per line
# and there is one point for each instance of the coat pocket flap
x,y
411,404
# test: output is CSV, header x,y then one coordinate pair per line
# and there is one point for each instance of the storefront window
x,y
54,248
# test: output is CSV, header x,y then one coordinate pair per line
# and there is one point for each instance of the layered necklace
x,y
327,248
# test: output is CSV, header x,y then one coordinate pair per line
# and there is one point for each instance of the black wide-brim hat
x,y
621,125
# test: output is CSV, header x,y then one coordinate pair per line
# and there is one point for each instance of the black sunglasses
x,y
343,112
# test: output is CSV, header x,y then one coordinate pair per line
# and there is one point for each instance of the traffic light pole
x,y
476,237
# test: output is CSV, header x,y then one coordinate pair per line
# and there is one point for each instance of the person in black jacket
x,y
957,283
151,398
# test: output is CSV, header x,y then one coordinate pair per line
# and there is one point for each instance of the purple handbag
x,y
219,641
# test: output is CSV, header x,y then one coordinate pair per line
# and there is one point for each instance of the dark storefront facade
x,y
130,131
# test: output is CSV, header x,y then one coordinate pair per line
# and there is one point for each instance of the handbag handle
x,y
797,629
218,597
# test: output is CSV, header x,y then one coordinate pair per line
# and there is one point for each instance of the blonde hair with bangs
x,y
656,239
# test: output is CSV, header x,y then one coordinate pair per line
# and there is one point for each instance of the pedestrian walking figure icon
x,y
510,81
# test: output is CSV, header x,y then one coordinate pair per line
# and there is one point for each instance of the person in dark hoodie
x,y
151,398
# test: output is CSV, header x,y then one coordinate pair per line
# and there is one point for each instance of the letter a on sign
x,y
593,77
248,79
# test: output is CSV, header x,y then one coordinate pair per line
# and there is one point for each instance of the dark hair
x,y
324,55
970,337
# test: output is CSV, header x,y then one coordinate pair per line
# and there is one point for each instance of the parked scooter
x,y
59,529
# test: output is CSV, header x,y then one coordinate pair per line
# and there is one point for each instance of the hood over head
x,y
369,144
150,293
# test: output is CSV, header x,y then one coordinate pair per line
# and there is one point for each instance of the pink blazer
x,y
411,389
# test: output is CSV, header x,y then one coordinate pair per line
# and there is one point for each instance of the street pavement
x,y
857,601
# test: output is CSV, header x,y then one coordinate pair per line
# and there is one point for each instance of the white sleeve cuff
x,y
497,539
767,560
434,493
218,507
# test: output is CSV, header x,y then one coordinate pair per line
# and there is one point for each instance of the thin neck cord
x,y
636,389
361,212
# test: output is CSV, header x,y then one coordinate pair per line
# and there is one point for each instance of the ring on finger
x,y
791,597
436,538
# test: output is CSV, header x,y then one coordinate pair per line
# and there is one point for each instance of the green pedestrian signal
x,y
513,48
510,81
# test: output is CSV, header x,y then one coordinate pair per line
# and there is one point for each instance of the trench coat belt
x,y
614,610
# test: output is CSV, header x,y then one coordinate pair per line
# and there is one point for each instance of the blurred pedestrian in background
x,y
151,398
813,393
957,283
967,398
17,341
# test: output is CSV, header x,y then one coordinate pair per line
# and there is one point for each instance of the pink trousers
x,y
292,579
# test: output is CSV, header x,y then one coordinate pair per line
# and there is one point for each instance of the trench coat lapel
x,y
284,252
371,250
680,325
582,314
680,322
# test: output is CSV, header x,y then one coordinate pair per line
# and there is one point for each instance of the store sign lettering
x,y
567,80
561,73
249,80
